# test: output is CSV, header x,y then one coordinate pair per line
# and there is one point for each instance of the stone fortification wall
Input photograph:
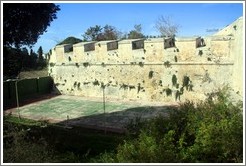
x,y
155,69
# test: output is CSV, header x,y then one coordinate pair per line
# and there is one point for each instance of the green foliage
x,y
174,80
52,64
175,59
17,60
141,64
23,23
12,60
97,33
151,74
200,52
167,64
168,91
207,132
70,40
77,64
186,81
136,33
96,82
41,62
86,64
25,141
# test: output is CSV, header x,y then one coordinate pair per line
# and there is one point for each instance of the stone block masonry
x,y
155,69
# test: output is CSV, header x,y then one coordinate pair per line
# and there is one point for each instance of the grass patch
x,y
27,141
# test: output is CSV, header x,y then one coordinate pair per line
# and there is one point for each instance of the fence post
x,y
9,93
17,98
37,81
104,110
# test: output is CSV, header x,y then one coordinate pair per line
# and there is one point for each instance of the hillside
x,y
33,74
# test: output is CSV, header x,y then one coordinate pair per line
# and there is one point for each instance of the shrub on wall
x,y
86,64
200,52
174,80
175,59
151,74
141,64
78,86
52,64
167,64
186,82
96,82
168,91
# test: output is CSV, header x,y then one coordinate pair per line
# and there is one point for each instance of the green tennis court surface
x,y
72,110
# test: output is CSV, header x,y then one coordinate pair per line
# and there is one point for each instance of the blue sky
x,y
194,18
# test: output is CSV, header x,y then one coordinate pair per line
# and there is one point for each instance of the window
x,y
89,47
68,48
137,44
200,42
169,42
112,46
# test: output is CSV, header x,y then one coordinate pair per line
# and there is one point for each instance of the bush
x,y
209,131
167,64
151,73
86,64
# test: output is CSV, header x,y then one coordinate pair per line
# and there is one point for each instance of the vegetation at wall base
x,y
207,132
28,141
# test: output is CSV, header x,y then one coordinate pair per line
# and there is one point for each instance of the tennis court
x,y
74,110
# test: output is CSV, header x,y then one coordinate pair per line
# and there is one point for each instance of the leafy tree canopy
x,y
136,33
98,33
23,23
70,40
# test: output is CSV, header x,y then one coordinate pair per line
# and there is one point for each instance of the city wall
x,y
156,69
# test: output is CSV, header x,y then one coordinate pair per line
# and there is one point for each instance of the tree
x,y
41,61
23,23
12,62
136,33
70,40
166,27
33,60
97,33
110,33
92,33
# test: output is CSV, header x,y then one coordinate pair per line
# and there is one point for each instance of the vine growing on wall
x,y
124,86
168,91
187,83
78,86
174,80
75,84
175,59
